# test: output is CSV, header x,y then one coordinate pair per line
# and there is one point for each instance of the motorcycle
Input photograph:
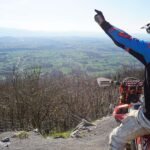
x,y
130,100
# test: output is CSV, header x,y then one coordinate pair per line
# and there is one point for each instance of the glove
x,y
99,18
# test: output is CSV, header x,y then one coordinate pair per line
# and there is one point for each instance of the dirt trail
x,y
97,139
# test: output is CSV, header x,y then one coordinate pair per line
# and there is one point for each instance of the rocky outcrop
x,y
82,129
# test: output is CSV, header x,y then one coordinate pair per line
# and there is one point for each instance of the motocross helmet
x,y
147,27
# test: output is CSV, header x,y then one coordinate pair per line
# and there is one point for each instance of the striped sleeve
x,y
137,48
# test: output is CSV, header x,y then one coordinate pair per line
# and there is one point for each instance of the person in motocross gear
x,y
138,122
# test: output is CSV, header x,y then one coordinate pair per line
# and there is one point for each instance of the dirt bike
x,y
126,105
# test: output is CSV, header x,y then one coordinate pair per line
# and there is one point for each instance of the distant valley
x,y
93,55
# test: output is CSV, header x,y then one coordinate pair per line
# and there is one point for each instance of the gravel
x,y
97,139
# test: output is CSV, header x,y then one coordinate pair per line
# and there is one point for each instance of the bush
x,y
47,102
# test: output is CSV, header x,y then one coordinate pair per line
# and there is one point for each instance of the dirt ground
x,y
97,139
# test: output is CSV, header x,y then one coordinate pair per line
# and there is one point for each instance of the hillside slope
x,y
97,139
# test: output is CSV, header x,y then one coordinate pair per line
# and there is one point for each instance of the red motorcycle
x,y
131,90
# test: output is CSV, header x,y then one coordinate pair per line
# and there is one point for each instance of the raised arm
x,y
137,48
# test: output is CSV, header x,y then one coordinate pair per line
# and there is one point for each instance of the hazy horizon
x,y
72,16
12,32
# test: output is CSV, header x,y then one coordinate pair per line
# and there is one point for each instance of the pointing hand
x,y
99,18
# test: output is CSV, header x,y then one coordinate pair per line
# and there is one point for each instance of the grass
x,y
22,135
64,135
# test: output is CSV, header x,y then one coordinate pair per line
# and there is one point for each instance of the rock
x,y
6,139
5,142
82,128
21,135
36,130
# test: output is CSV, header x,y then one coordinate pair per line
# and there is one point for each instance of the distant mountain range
x,y
11,32
29,33
22,33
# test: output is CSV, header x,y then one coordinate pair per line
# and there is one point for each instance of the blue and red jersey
x,y
139,49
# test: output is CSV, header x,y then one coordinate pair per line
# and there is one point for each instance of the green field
x,y
95,56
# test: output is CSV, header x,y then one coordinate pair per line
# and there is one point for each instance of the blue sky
x,y
73,15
